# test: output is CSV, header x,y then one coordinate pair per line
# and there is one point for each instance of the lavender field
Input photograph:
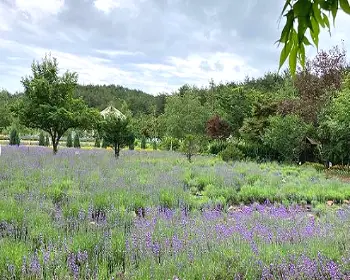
x,y
82,214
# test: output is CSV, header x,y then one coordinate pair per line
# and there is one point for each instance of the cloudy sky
x,y
153,45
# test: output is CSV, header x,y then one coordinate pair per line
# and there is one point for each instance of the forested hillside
x,y
139,102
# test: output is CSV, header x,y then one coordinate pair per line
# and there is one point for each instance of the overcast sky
x,y
153,45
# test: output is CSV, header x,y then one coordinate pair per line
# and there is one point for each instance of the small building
x,y
110,110
310,152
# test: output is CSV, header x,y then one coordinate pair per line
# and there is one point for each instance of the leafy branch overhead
x,y
303,17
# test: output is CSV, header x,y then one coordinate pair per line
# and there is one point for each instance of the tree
x,y
14,137
116,130
235,105
47,141
69,140
307,15
190,146
334,128
41,139
217,128
97,142
285,135
318,82
76,142
48,101
184,115
5,113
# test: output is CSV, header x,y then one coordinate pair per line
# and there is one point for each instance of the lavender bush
x,y
151,215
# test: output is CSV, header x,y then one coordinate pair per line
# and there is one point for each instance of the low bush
x,y
231,153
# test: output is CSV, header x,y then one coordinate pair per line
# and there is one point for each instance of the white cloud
x,y
221,67
114,53
39,9
153,45
107,6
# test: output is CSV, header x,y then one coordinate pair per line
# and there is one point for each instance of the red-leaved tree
x,y
217,128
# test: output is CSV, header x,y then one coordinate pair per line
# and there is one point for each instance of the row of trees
x,y
267,118
271,118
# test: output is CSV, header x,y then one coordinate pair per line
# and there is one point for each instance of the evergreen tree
x,y
14,137
143,143
104,144
97,143
41,139
154,145
47,141
69,140
76,143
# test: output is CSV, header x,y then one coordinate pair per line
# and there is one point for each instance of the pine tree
x,y
47,141
76,143
154,144
14,138
69,140
104,144
143,143
41,139
97,143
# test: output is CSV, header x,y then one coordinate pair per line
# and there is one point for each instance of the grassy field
x,y
82,214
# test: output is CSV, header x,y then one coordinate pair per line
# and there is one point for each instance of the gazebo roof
x,y
110,110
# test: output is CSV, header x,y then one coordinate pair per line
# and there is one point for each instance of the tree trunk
x,y
54,146
116,150
189,157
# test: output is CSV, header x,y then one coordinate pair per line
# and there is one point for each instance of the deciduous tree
x,y
217,128
48,101
302,16
116,130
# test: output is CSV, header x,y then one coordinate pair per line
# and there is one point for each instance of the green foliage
x,y
14,137
6,101
97,142
105,144
47,141
190,146
101,96
184,114
41,139
143,143
76,142
154,145
236,104
116,131
307,15
69,143
217,146
170,144
334,128
285,135
48,102
231,153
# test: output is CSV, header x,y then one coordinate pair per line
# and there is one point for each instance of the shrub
x,y
14,138
97,143
69,140
105,144
130,141
231,153
76,143
217,147
41,139
170,143
47,141
154,144
143,143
